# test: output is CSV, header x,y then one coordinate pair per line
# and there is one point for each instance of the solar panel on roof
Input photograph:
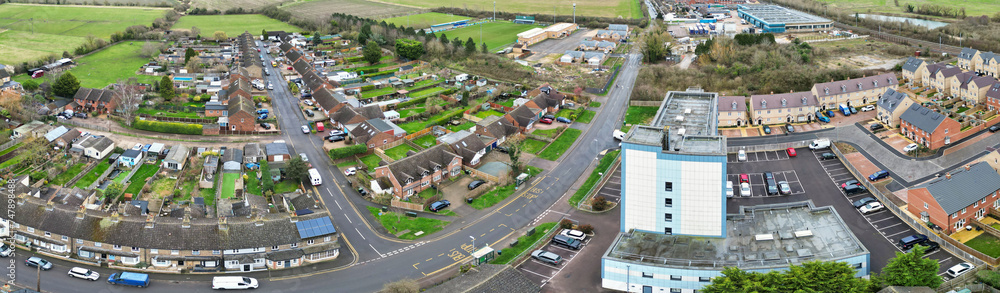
x,y
315,227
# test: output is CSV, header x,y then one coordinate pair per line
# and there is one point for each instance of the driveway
x,y
558,46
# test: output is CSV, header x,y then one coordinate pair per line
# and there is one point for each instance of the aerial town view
x,y
406,146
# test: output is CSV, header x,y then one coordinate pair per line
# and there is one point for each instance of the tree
x,y
267,184
129,96
263,34
195,32
372,53
12,103
194,65
911,269
30,85
188,54
470,46
409,49
66,85
220,36
457,43
297,170
293,87
485,50
166,88
114,190
333,23
443,38
317,39
654,48
149,49
401,286
813,276
514,153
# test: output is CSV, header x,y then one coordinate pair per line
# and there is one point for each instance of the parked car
x,y
878,175
129,279
729,189
270,86
790,128
830,113
337,132
849,183
929,246
262,111
790,152
308,102
745,189
502,149
350,171
546,256
265,125
80,115
741,155
262,116
853,110
475,184
827,156
439,205
909,241
549,116
876,126
310,113
852,189
867,108
575,234
822,118
772,187
82,273
5,250
862,202
304,157
567,242
335,138
767,129
959,269
784,188
564,120
546,121
910,147
871,207
744,178
35,261
305,129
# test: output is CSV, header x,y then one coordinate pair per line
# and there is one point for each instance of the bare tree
x,y
149,49
129,95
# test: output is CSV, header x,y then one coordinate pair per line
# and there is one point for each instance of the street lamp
x,y
473,242
628,277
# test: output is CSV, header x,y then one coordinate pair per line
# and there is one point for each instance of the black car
x,y
503,149
265,125
930,246
994,128
790,128
853,110
439,205
767,129
772,187
876,126
827,156
80,115
475,184
334,138
862,202
549,116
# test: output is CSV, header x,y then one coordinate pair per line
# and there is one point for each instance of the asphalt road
x,y
368,259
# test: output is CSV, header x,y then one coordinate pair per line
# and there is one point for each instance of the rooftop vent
x,y
764,237
679,118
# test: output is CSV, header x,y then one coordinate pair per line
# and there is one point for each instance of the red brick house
x,y
95,100
240,73
348,115
993,97
928,128
376,133
413,174
953,200
237,88
241,115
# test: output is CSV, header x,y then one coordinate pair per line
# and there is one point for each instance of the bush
x,y
989,277
599,203
167,127
340,153
444,119
367,88
566,224
587,229
38,175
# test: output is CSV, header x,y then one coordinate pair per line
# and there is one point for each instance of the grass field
x,y
425,141
615,8
371,161
399,151
65,176
532,145
320,10
91,176
394,223
424,20
139,178
31,32
640,115
496,34
972,7
163,187
104,67
985,243
229,184
586,116
233,25
595,175
560,145
523,243
493,197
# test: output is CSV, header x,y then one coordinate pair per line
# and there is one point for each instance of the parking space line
x,y
876,221
567,250
944,260
540,275
890,226
897,233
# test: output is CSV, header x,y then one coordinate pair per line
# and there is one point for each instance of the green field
x,y
623,8
640,114
586,117
91,176
394,223
229,184
139,178
524,243
65,176
532,145
985,243
492,197
105,67
602,166
560,145
496,34
425,141
233,25
424,20
399,151
972,7
31,32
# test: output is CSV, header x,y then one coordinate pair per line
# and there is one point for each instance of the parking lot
x,y
758,186
542,272
760,157
612,190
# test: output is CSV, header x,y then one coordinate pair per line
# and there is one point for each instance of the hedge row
x,y
989,277
167,127
340,153
419,100
444,119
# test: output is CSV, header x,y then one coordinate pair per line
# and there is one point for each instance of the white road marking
x,y
359,233
376,250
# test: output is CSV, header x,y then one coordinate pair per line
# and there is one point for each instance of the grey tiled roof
x,y
855,85
912,64
522,115
732,104
497,126
966,53
276,149
130,153
251,149
90,94
922,118
233,155
412,167
994,91
890,100
964,188
779,101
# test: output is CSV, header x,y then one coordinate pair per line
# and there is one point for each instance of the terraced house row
x,y
965,81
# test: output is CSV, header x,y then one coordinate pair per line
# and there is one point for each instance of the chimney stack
x,y
187,218
149,221
967,167
947,175
81,213
223,224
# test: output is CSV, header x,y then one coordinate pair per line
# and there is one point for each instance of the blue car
x,y
262,116
823,118
830,113
263,111
878,175
564,120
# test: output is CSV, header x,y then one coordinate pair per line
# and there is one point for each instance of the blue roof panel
x,y
315,227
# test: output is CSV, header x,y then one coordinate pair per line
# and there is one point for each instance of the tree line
x,y
587,21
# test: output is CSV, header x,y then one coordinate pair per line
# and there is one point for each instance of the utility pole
x,y
38,278
574,12
494,11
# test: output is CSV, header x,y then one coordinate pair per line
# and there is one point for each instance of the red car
x,y
791,152
546,120
744,178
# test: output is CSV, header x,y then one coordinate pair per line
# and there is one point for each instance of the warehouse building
x,y
535,35
777,19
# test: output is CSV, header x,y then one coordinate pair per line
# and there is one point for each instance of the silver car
x,y
547,257
82,273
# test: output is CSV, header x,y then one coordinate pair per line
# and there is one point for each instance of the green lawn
x,y
532,145
414,126
410,112
394,223
623,8
425,141
484,114
495,34
399,151
371,161
586,117
462,126
493,197
389,90
11,149
163,187
424,20
371,68
427,193
508,103
160,113
427,92
121,177
285,186
65,176
229,184
985,243
252,184
560,145
233,25
139,178
594,104
972,7
640,114
186,189
91,176
347,164
209,195
524,243
550,133
105,67
595,175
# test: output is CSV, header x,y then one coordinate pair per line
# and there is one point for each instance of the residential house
x,y
66,140
242,116
232,160
276,35
465,144
911,67
239,73
941,81
215,109
587,45
277,152
94,147
783,108
605,46
891,105
853,92
6,83
547,98
618,27
285,48
610,35
733,111
55,133
523,117
130,158
974,92
965,59
30,129
176,158
348,115
497,127
252,153
926,127
571,57
954,200
329,101
926,73
238,88
376,132
417,172
993,97
593,58
985,63
95,100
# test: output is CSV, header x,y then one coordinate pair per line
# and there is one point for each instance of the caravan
x,y
314,177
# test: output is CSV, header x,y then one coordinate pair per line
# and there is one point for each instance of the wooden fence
x,y
417,134
381,154
480,174
406,205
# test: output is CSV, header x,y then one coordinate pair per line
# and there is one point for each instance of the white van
x,y
618,134
314,177
234,282
820,144
729,189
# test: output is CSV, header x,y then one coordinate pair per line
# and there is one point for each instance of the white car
x,y
729,188
308,102
305,129
350,171
137,146
910,147
82,273
867,108
744,189
575,234
303,156
741,156
959,269
871,207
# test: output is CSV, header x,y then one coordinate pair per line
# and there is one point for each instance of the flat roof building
x,y
535,35
777,19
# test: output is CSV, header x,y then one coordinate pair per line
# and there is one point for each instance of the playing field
x,y
611,8
424,20
496,34
233,25
972,7
31,32
321,10
104,67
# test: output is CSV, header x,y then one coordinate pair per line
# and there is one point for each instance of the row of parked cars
x,y
135,279
548,118
569,238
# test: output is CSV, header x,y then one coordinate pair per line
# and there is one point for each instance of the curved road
x,y
369,259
